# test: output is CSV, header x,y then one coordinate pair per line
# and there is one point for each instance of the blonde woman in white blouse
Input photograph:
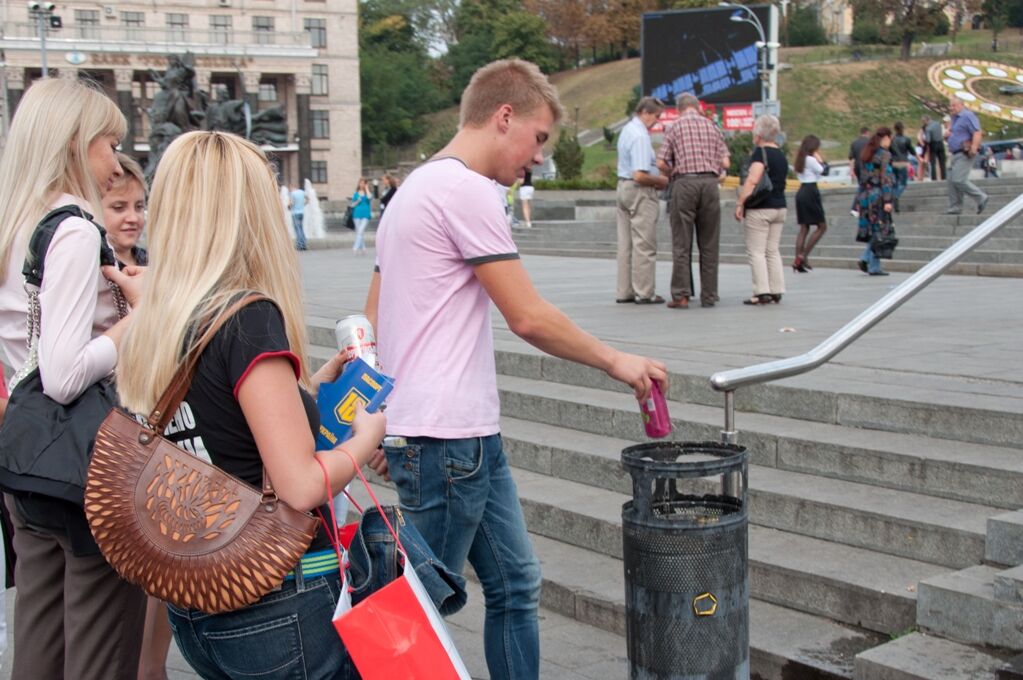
x,y
74,617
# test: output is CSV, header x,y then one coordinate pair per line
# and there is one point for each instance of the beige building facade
x,y
301,55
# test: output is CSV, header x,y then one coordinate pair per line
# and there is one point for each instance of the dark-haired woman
x,y
809,167
875,199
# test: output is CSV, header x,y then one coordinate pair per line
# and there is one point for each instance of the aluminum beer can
x,y
355,337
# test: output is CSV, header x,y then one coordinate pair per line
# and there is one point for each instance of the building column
x,y
15,88
122,80
202,81
303,87
251,82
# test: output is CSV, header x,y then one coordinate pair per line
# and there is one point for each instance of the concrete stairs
x,y
585,227
878,504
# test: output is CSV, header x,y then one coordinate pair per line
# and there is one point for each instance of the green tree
x,y
896,22
397,78
996,16
523,35
804,27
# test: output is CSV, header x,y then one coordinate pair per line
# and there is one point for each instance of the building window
x,y
268,91
321,124
177,25
320,79
263,27
220,25
318,170
317,30
87,22
133,23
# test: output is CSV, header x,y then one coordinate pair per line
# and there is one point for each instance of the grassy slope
x,y
829,100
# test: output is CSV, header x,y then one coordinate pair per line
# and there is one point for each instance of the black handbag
x,y
45,446
883,244
349,219
763,188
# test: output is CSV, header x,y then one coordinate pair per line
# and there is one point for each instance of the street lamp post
x,y
751,18
42,12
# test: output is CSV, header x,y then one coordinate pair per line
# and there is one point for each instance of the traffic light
x,y
41,6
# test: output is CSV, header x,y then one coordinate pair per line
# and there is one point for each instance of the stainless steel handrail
x,y
731,380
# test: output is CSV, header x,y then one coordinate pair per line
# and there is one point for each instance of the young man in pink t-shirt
x,y
444,253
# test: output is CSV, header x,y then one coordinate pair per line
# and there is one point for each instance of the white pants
x,y
763,234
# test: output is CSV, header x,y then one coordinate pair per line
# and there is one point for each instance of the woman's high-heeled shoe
x,y
799,265
807,265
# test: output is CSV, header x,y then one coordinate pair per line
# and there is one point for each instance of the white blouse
x,y
812,171
76,307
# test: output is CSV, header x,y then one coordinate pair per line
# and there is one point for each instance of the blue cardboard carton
x,y
359,383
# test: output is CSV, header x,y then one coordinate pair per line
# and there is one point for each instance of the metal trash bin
x,y
685,549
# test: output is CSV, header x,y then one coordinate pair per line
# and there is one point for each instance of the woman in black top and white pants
x,y
763,222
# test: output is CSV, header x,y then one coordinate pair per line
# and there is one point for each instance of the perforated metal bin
x,y
685,551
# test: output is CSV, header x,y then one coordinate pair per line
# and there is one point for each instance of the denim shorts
x,y
287,635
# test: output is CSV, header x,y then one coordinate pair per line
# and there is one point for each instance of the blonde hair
x,y
132,172
47,153
216,231
515,82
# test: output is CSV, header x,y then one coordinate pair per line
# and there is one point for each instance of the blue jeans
x,y
901,180
872,260
360,228
299,232
460,495
286,635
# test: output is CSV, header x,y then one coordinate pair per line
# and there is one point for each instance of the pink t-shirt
x,y
433,317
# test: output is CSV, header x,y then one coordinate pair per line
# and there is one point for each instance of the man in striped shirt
x,y
695,158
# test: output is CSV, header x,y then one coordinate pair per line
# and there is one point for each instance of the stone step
x,y
975,473
1004,543
923,251
851,585
779,498
836,394
784,643
589,587
962,605
1008,585
960,269
924,657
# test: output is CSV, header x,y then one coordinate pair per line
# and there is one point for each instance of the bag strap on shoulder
x,y
168,404
39,243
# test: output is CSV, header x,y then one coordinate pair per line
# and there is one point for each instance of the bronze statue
x,y
180,106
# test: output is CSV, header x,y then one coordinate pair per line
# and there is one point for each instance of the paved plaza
x,y
958,342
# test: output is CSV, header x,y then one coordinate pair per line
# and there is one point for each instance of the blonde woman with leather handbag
x,y
216,237
74,617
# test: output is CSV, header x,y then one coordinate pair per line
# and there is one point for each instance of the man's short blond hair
x,y
515,82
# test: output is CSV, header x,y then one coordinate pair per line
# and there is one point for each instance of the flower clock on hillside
x,y
985,87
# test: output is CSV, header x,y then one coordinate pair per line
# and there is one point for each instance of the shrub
x,y
574,184
568,156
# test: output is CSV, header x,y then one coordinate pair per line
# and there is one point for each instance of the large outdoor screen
x,y
704,52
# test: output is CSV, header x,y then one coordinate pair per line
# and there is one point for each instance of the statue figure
x,y
180,106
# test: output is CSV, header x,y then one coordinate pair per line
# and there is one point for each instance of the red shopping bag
x,y
397,631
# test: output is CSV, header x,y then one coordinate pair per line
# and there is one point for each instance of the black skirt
x,y
809,209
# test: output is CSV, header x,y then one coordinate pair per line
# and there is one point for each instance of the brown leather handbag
x,y
183,530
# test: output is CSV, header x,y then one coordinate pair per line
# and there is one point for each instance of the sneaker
x,y
982,205
855,213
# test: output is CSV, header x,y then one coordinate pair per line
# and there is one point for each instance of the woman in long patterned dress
x,y
875,200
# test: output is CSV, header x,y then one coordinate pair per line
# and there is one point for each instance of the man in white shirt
x,y
638,184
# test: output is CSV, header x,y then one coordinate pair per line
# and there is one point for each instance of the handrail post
x,y
731,483
729,435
